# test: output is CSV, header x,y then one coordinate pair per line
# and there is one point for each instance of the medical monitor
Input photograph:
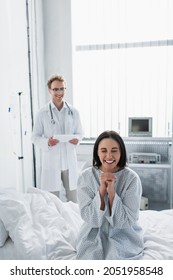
x,y
140,127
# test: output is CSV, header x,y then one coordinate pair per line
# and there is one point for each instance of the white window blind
x,y
123,63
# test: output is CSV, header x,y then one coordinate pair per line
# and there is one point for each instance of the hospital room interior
x,y
117,59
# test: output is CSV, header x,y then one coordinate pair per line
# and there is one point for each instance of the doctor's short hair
x,y
55,77
115,136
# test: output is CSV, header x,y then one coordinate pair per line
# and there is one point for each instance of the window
x,y
123,63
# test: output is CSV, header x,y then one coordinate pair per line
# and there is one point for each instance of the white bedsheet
x,y
43,227
158,234
8,251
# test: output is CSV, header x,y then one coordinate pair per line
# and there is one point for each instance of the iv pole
x,y
20,152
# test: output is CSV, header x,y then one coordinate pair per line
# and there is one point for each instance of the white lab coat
x,y
51,162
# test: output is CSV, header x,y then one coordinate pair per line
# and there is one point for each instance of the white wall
x,y
14,173
57,41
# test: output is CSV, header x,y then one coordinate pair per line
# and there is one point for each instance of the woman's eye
x,y
115,151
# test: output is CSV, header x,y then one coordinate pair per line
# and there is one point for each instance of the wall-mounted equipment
x,y
140,127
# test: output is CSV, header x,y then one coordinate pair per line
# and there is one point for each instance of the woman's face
x,y
109,155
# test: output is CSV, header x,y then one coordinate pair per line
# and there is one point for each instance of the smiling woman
x,y
109,154
109,195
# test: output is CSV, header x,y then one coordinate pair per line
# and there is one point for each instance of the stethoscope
x,y
51,113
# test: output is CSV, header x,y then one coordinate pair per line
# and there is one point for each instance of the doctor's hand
x,y
74,141
52,141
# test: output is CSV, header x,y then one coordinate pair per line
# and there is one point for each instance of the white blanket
x,y
43,227
40,225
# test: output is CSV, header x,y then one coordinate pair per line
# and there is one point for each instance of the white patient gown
x,y
104,236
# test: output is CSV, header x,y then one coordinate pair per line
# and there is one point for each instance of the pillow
x,y
3,234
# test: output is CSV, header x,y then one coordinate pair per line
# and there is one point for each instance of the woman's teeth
x,y
109,161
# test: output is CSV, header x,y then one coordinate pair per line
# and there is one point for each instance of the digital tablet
x,y
65,137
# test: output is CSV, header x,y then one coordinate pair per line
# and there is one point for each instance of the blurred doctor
x,y
57,131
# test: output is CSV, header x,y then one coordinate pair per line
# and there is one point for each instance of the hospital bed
x,y
38,225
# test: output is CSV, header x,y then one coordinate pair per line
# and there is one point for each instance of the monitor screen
x,y
140,126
